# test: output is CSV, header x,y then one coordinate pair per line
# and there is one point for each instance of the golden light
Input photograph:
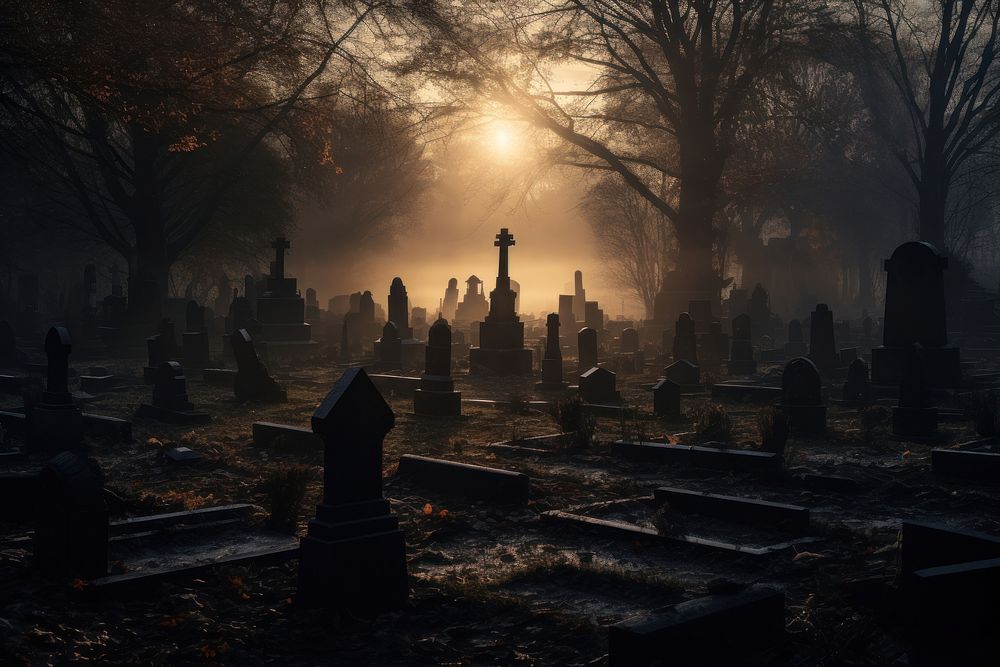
x,y
504,140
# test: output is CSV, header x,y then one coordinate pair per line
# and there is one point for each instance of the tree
x,y
940,59
131,99
667,83
632,238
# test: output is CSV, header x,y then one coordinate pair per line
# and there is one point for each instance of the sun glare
x,y
503,140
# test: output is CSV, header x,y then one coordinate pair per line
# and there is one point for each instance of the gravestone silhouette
x,y
354,555
586,343
55,423
801,397
436,395
552,366
252,381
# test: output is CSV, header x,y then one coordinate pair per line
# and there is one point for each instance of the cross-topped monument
x,y
504,240
280,245
501,334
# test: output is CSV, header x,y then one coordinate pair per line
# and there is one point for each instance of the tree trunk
x,y
701,171
149,266
933,193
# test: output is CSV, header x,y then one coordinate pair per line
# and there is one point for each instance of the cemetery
x,y
437,334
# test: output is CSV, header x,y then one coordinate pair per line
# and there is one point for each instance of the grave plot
x,y
490,579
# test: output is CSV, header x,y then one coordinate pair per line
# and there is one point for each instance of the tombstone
x,y
667,399
579,299
684,373
354,554
552,368
9,354
54,423
170,399
801,397
766,343
252,381
857,389
586,345
390,347
847,355
450,303
594,316
240,315
741,361
501,348
250,293
796,345
701,312
281,312
685,340
195,338
160,348
474,306
399,308
566,315
71,519
436,395
915,314
715,344
312,312
597,386
739,303
345,343
629,341
915,416
822,346
867,327
759,309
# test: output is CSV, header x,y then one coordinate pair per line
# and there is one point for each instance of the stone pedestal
x,y
805,419
196,350
500,362
437,397
354,556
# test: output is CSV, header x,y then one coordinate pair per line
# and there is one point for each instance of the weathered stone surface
x,y
792,518
714,630
473,481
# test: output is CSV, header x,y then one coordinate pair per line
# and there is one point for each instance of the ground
x,y
489,585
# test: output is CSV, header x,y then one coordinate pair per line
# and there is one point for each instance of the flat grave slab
x,y
792,518
11,384
927,545
540,445
100,426
97,384
219,377
967,463
492,484
746,392
182,455
400,384
713,630
697,455
636,518
265,433
181,545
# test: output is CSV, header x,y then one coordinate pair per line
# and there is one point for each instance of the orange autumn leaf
x,y
428,509
443,514
78,584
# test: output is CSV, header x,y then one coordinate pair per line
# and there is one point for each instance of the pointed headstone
x,y
252,381
354,555
436,395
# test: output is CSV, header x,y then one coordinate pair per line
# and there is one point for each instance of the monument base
x,y
354,558
914,422
942,365
515,361
56,424
805,419
437,403
259,387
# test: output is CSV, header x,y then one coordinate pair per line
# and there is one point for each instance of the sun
x,y
504,140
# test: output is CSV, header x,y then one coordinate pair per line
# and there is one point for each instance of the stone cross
x,y
280,245
504,240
